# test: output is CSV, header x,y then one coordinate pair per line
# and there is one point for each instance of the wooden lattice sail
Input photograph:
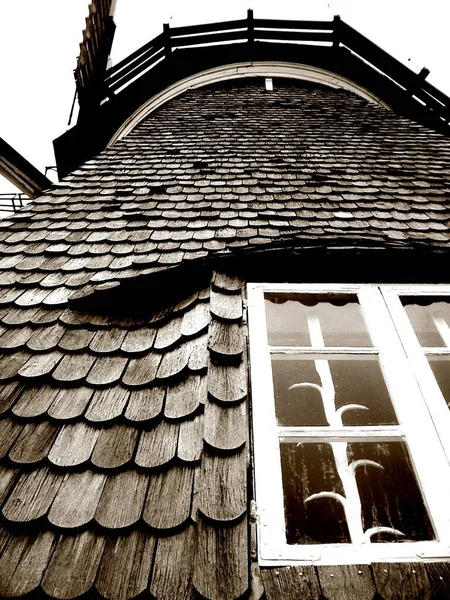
x,y
94,50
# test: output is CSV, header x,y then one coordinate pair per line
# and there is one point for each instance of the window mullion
x,y
431,393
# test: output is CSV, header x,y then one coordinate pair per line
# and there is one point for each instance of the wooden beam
x,y
20,172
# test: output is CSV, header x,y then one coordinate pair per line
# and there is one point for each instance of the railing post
x,y
167,40
424,72
336,31
250,26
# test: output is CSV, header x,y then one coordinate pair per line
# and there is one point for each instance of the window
x,y
350,386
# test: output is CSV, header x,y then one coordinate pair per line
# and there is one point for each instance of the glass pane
x,y
312,391
390,496
323,504
430,318
440,366
289,317
308,469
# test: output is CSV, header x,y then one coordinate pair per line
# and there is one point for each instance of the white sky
x,y
39,43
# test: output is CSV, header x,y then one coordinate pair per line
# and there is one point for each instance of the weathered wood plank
x,y
75,340
174,565
158,446
70,403
11,364
34,443
145,405
227,307
32,496
73,368
221,565
115,446
40,365
107,341
221,486
9,431
77,499
46,338
195,320
13,338
125,567
198,353
439,579
225,427
8,478
74,445
172,489
73,566
138,340
122,500
226,339
184,398
107,370
9,393
346,581
186,302
107,404
23,563
18,316
397,581
228,383
46,316
169,334
174,361
141,371
291,583
227,283
35,401
190,439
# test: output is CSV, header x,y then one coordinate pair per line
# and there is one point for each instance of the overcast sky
x,y
39,43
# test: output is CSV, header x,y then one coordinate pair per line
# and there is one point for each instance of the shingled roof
x,y
124,435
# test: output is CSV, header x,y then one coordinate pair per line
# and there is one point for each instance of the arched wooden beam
x,y
238,71
95,130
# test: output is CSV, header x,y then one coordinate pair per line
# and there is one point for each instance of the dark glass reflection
x,y
309,469
356,380
339,315
440,366
430,317
390,497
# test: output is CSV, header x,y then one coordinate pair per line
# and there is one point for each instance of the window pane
x,y
308,469
440,366
430,318
326,387
339,315
320,499
390,496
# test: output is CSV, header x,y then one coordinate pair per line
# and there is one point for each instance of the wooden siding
x,y
124,440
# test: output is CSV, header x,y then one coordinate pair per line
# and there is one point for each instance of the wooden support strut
x,y
336,30
167,41
251,26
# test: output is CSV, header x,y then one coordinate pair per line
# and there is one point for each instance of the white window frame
x,y
418,414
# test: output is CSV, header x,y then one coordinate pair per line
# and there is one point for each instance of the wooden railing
x,y
12,202
332,34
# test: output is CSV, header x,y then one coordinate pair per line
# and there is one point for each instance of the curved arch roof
x,y
185,54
